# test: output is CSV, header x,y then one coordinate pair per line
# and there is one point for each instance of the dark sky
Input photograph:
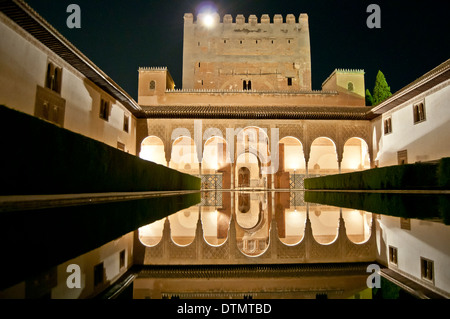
x,y
120,36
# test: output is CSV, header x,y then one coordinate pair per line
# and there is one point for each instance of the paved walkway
x,y
410,286
30,202
391,191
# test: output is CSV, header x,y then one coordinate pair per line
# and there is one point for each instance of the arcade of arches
x,y
266,156
253,214
256,155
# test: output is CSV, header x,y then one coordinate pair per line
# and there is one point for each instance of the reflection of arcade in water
x,y
258,227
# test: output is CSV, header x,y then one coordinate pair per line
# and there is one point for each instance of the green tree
x,y
381,91
369,98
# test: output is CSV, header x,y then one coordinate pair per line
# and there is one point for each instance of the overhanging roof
x,y
24,16
427,81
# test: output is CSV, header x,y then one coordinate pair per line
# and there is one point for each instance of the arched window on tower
x,y
244,86
249,85
350,86
152,85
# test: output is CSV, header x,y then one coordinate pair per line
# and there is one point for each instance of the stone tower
x,y
246,55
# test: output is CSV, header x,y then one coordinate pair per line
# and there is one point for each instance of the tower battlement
x,y
246,53
252,20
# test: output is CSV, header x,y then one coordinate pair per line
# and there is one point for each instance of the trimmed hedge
x,y
42,158
417,176
443,173
422,206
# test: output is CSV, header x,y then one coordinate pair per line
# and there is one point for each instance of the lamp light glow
x,y
208,20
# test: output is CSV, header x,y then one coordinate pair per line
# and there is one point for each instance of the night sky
x,y
121,36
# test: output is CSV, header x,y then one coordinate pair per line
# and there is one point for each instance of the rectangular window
x,y
126,123
122,259
393,255
419,112
53,78
99,273
289,81
104,110
427,269
387,126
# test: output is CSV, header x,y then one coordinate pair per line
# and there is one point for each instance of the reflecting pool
x,y
255,244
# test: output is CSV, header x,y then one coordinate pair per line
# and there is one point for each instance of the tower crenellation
x,y
252,19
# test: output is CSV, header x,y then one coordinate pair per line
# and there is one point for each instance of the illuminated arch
x,y
251,164
184,152
294,157
294,226
253,139
151,235
152,149
324,224
210,224
183,226
214,153
252,227
323,157
358,225
355,156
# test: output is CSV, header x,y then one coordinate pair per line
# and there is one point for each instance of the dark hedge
x,y
418,176
41,158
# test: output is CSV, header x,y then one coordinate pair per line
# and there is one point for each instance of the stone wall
x,y
226,54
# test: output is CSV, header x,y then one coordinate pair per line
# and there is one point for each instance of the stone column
x,y
168,152
233,169
306,168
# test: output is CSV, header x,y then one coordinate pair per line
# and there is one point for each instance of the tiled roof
x,y
258,112
233,271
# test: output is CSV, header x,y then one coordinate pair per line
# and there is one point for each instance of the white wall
x,y
424,141
425,239
23,66
108,254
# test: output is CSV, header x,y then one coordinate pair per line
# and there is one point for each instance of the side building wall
x,y
409,140
71,101
414,240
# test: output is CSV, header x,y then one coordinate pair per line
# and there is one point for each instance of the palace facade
x,y
246,111
246,117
